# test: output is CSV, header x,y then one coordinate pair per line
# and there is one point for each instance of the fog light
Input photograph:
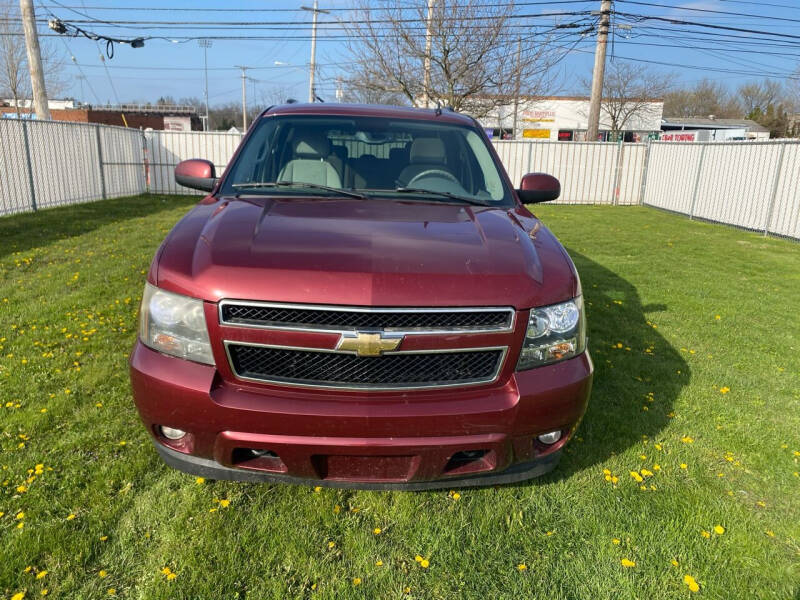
x,y
171,433
550,438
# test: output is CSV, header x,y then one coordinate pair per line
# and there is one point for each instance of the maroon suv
x,y
362,300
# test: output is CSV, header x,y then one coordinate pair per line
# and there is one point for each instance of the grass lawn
x,y
695,334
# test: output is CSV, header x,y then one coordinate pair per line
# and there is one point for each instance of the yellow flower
x,y
627,563
112,592
719,529
724,390
171,576
684,466
656,467
166,570
44,592
318,489
657,446
103,538
377,531
616,541
20,515
522,566
761,503
356,580
418,558
18,596
674,562
770,533
22,489
705,534
636,476
687,440
690,581
378,563
102,574
224,503
406,590
424,563
200,480
41,574
331,545
337,509
647,473
70,516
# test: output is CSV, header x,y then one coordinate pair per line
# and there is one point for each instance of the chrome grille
x,y
339,319
317,368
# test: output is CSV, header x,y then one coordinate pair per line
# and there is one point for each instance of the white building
x,y
711,129
566,118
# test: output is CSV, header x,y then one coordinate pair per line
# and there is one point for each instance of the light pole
x,y
313,65
427,67
244,97
205,45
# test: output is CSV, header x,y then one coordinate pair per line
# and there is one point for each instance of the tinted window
x,y
377,156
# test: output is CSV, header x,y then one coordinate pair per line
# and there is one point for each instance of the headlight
x,y
174,324
554,333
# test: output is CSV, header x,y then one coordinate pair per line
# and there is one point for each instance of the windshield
x,y
367,156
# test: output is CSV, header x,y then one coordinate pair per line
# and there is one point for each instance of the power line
x,y
638,17
709,10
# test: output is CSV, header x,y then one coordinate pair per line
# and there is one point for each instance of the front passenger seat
x,y
310,164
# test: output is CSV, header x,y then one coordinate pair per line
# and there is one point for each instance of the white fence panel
x,y
15,191
752,185
165,149
123,168
590,172
785,217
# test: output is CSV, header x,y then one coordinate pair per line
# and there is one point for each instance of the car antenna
x,y
438,111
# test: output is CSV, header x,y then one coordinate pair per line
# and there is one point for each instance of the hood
x,y
374,252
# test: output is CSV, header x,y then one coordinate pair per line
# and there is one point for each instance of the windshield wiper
x,y
407,190
313,186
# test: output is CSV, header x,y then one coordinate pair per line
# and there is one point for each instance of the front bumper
x,y
377,440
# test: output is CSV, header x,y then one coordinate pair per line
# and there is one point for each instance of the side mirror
x,y
538,187
197,174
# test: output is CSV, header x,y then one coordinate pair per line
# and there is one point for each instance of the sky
x,y
279,66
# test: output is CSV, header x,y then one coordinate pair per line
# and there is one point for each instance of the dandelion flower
x,y
18,596
647,473
356,580
41,574
719,529
103,538
337,509
112,592
636,476
627,563
687,440
102,574
674,562
522,566
684,466
224,503
418,558
44,592
378,563
705,534
20,515
331,545
616,541
724,390
376,531
70,516
690,581
424,563
200,480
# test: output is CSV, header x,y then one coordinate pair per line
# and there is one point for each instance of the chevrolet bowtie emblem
x,y
369,344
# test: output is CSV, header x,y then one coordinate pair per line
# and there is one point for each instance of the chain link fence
x,y
752,185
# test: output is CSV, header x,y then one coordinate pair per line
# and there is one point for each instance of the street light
x,y
313,65
205,45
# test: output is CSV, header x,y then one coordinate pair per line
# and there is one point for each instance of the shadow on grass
x,y
21,232
635,385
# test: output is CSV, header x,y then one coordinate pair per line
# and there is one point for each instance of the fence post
x,y
774,194
618,168
100,161
645,168
697,181
30,165
145,161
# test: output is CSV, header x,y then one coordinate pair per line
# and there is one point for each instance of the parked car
x,y
362,300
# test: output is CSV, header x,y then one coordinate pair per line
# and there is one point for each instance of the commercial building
x,y
711,129
146,116
565,118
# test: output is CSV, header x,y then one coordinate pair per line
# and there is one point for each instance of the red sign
x,y
679,136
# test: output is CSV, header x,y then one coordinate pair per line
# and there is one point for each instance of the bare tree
x,y
630,93
757,97
474,64
705,98
14,77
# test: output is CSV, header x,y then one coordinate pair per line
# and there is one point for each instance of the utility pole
x,y
244,96
312,68
34,61
427,84
518,87
205,45
598,73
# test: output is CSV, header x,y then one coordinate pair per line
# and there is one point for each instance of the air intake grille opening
x,y
346,320
348,370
